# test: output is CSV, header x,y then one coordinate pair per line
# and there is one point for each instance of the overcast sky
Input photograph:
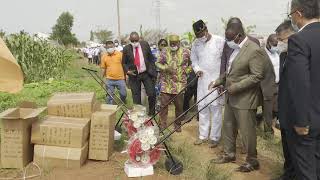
x,y
176,15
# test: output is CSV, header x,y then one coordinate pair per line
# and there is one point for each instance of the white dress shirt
x,y
275,59
235,53
143,67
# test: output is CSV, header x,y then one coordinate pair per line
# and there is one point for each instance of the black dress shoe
x,y
223,159
247,167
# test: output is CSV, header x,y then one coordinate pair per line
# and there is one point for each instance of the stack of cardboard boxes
x,y
62,138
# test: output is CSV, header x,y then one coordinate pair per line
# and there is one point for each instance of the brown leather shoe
x,y
223,159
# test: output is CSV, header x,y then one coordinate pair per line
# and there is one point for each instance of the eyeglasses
x,y
290,15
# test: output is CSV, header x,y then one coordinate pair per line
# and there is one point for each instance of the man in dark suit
x,y
284,31
268,84
138,63
300,90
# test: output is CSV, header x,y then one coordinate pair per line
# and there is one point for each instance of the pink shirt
x,y
142,62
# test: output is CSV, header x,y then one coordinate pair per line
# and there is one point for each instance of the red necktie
x,y
137,58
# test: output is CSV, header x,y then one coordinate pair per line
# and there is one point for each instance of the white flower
x,y
143,138
152,140
145,146
145,159
138,158
136,124
133,117
150,131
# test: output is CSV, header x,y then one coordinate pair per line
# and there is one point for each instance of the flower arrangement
x,y
141,148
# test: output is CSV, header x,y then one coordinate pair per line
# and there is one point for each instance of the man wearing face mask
x,y
206,57
268,84
299,96
111,64
118,46
284,31
138,63
242,80
173,64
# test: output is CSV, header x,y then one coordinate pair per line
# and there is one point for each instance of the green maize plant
x,y
38,59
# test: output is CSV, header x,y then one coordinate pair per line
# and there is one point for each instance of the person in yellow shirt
x,y
111,64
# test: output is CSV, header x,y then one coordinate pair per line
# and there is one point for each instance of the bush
x,y
38,59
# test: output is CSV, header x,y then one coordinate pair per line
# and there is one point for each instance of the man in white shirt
x,y
268,84
206,58
96,53
90,55
118,46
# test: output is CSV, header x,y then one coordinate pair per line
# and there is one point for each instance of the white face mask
x,y
274,49
135,44
175,48
232,44
110,50
116,44
282,47
295,27
203,39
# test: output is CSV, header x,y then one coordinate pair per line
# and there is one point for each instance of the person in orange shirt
x,y
111,64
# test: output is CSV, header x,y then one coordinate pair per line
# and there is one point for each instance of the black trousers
x,y
289,173
305,151
149,84
190,92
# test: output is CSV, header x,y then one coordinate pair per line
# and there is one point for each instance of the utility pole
x,y
157,6
119,28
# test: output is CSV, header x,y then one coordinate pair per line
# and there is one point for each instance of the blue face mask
x,y
232,44
274,49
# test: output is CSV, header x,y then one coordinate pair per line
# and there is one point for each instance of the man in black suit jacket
x,y
284,31
300,90
138,63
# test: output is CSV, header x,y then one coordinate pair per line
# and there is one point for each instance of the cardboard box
x,y
102,135
61,131
80,105
16,149
108,107
54,156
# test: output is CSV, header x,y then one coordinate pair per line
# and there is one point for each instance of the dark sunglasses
x,y
133,41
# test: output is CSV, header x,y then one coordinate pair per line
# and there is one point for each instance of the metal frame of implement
x,y
95,76
173,165
176,166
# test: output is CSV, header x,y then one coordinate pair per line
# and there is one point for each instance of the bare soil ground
x,y
195,159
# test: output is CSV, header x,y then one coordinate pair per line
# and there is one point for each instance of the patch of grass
x,y
272,148
213,173
194,167
120,144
